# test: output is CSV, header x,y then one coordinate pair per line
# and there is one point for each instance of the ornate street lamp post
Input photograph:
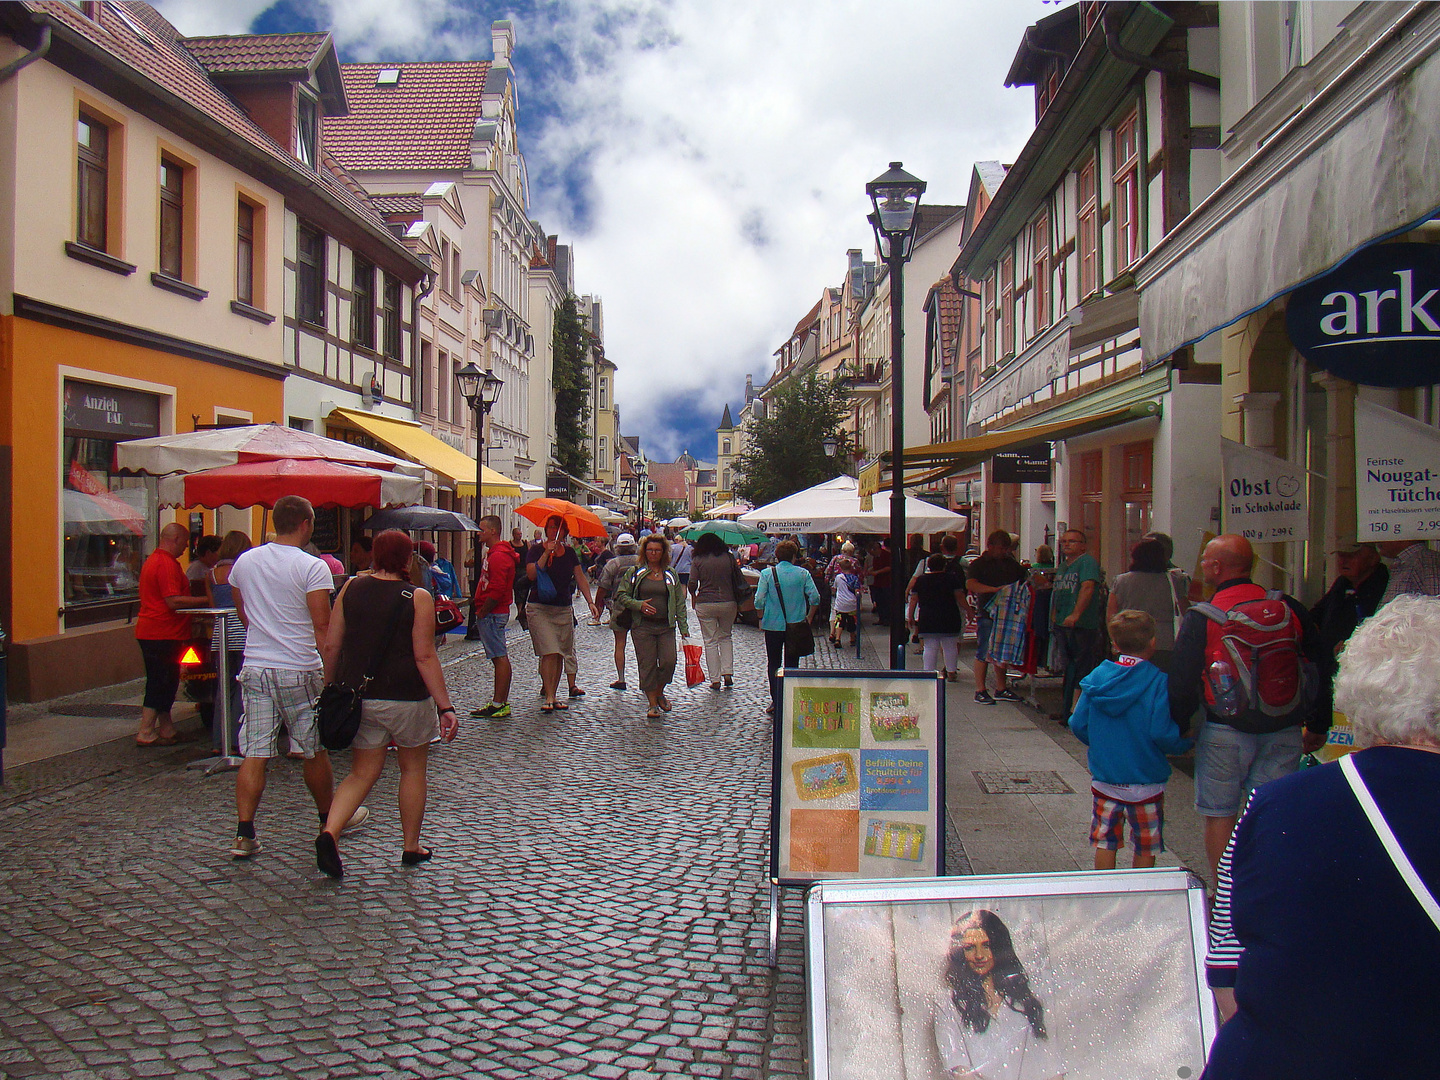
x,y
895,195
642,472
480,389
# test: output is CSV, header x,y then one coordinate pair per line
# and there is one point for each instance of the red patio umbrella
x,y
578,520
260,483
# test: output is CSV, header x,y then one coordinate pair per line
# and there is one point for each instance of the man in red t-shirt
x,y
494,587
163,630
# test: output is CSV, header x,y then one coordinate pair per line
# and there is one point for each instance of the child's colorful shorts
x,y
1147,824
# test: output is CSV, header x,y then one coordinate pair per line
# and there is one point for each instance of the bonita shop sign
x,y
1375,319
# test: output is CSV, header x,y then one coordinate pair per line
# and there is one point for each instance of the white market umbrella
x,y
681,522
109,513
729,510
834,506
215,448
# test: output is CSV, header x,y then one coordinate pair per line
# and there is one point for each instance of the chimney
x,y
749,389
502,40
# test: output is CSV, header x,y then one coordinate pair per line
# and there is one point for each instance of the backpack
x,y
1255,667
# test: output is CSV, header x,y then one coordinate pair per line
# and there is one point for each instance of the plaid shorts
x,y
1147,824
274,698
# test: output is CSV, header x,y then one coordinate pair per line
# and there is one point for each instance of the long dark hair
x,y
967,989
709,544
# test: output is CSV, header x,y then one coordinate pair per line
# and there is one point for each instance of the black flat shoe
x,y
415,858
327,856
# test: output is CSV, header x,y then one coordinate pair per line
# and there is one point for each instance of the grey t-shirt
x,y
610,576
712,579
1152,594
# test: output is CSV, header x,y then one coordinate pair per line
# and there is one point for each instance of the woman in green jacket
x,y
653,595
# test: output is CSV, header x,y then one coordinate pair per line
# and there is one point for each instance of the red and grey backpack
x,y
1256,670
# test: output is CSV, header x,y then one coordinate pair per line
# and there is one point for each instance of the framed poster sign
x,y
1081,976
859,776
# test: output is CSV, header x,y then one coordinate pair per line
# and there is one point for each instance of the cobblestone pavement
x,y
597,905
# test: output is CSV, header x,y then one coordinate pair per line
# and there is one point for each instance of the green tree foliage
x,y
784,450
572,389
665,509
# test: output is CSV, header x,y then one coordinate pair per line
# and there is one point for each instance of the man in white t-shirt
x,y
282,594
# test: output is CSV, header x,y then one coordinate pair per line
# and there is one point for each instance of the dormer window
x,y
307,129
388,77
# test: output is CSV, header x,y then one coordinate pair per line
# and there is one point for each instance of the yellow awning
x,y
409,440
940,460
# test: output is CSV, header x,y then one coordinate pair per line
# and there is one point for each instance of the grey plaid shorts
x,y
275,697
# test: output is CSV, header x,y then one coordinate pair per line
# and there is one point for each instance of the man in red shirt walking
x,y
494,588
162,630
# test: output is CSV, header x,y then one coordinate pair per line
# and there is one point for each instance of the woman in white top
x,y
992,1026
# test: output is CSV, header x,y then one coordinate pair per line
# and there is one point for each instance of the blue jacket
x,y
1124,717
797,590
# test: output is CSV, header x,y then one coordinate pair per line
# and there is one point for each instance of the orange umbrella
x,y
579,521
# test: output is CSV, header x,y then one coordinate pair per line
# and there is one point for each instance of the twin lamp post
x,y
480,389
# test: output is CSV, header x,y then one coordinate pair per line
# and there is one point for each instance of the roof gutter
x,y
29,58
1149,63
253,157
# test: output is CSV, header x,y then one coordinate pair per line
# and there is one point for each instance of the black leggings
x,y
162,672
777,656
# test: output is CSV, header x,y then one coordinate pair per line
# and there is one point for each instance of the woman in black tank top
x,y
383,624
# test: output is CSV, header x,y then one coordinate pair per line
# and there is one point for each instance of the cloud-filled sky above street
x,y
707,161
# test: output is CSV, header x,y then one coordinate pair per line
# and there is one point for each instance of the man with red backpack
x,y
1252,658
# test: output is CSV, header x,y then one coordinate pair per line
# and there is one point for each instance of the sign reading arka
x,y
1375,319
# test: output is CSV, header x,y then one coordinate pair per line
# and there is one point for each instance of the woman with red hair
x,y
383,624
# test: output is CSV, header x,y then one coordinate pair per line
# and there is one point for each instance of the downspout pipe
x,y
1149,63
29,58
416,295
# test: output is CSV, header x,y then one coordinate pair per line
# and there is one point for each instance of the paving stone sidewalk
x,y
597,905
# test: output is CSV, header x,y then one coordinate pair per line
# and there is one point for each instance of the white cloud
x,y
727,148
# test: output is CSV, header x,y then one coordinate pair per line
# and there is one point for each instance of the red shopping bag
x,y
694,673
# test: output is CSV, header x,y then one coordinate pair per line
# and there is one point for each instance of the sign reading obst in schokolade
x,y
1375,319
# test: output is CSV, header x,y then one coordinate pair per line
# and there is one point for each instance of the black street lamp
x,y
642,473
481,389
895,195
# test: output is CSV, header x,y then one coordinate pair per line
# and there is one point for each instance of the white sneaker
x,y
360,817
244,847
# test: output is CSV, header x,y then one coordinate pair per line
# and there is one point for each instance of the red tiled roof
x,y
950,304
425,121
136,35
669,480
809,320
234,53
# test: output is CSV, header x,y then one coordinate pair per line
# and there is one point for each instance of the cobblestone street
x,y
597,905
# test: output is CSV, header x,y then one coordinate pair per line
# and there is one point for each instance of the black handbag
x,y
624,619
337,710
799,638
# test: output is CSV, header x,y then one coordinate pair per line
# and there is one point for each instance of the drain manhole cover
x,y
1021,782
98,712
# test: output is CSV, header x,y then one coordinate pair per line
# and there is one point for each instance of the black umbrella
x,y
419,519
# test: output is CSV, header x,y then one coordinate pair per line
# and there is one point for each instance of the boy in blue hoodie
x,y
1124,717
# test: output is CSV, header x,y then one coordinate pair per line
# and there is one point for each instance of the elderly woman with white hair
x,y
1325,933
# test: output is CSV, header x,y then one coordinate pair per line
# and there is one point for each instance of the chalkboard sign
x,y
327,530
1028,465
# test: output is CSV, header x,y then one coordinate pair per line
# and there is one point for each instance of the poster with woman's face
x,y
1096,985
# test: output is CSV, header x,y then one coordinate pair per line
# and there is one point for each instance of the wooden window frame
x,y
390,309
171,229
444,387
310,267
1007,307
1142,453
362,303
1126,201
245,290
307,142
1040,270
92,172
1087,228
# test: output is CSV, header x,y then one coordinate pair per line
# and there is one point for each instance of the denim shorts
x,y
491,629
983,625
1229,764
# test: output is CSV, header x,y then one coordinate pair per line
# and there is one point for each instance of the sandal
x,y
576,691
729,682
414,858
547,706
652,713
715,685
665,703
560,706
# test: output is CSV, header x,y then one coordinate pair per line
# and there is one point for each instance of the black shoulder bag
x,y
337,710
799,638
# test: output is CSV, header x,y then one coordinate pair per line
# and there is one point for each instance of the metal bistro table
x,y
225,761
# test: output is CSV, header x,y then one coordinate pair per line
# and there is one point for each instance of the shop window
x,y
1139,490
1040,271
1092,496
310,275
1127,193
393,340
110,522
362,304
1088,230
172,218
93,189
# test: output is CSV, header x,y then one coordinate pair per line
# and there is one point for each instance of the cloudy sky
x,y
707,160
